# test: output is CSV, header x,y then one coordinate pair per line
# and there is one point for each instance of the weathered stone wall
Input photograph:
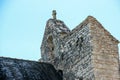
x,y
68,51
55,31
88,52
105,58
77,55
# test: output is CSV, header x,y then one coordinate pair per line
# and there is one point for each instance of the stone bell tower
x,y
88,52
55,30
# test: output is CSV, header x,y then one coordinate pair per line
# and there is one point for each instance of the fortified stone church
x,y
88,52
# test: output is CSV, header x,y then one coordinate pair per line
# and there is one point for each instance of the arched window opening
x,y
50,47
81,78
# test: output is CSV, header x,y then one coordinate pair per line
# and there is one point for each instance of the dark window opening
x,y
79,42
50,47
81,39
81,78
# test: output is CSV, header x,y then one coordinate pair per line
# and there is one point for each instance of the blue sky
x,y
22,22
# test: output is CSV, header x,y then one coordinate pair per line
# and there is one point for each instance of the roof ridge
x,y
93,21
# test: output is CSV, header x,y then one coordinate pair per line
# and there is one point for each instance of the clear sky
x,y
22,22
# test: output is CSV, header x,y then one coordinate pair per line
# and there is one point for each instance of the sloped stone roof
x,y
16,69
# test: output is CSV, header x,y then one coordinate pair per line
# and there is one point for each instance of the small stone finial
x,y
54,14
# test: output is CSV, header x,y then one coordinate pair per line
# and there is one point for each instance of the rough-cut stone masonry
x,y
17,69
88,52
105,56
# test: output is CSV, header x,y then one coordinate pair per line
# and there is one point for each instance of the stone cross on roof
x,y
54,14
